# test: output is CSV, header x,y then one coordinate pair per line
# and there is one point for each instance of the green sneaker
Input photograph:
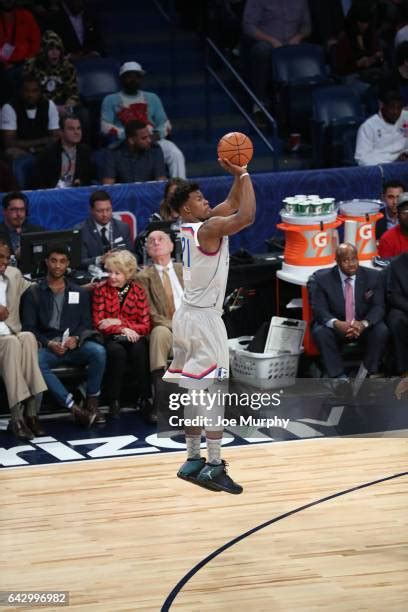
x,y
190,470
216,477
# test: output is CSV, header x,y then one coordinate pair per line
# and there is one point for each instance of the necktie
x,y
168,293
105,241
349,300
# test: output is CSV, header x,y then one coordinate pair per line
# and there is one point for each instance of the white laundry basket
x,y
262,370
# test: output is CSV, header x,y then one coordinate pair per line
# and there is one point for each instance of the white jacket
x,y
379,142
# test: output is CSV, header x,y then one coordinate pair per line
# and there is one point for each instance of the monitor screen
x,y
35,245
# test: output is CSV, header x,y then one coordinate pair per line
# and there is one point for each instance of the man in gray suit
x,y
101,233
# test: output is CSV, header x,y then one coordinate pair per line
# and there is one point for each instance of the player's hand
x,y
232,168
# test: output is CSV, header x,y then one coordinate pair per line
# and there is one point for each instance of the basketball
x,y
236,148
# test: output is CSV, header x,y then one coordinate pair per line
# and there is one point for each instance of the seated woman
x,y
120,311
165,211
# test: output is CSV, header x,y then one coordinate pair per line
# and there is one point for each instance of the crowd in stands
x,y
41,50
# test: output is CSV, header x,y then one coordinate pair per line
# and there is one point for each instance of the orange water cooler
x,y
360,218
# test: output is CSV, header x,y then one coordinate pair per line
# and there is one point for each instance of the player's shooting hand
x,y
232,168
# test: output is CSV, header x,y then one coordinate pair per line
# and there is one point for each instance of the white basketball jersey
x,y
205,274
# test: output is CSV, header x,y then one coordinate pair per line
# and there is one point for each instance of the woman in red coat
x,y
120,311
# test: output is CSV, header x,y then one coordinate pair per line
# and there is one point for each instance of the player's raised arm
x,y
218,226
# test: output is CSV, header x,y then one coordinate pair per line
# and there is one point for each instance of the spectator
x,y
66,163
15,212
58,313
268,24
78,28
165,211
397,318
358,57
163,283
56,74
8,181
391,192
138,159
133,103
20,36
28,124
18,354
348,306
383,138
121,312
101,233
327,21
395,240
399,75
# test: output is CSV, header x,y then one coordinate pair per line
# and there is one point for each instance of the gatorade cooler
x,y
360,217
309,240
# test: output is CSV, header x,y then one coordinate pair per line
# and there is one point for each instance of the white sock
x,y
214,451
193,447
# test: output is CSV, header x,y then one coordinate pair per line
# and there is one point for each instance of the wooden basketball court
x,y
120,534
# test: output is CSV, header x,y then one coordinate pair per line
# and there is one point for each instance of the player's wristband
x,y
243,174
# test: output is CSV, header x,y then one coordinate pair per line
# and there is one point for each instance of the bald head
x,y
159,247
347,258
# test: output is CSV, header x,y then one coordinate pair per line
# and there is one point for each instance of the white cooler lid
x,y
293,219
359,208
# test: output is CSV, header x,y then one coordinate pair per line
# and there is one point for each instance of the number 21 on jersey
x,y
185,243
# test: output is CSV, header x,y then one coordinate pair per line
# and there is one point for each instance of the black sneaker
x,y
216,477
190,470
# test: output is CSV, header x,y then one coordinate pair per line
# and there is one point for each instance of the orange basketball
x,y
236,147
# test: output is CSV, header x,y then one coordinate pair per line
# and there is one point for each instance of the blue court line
x,y
172,596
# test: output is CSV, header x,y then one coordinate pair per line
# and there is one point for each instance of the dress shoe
x,y
84,417
114,409
148,412
92,408
34,424
19,429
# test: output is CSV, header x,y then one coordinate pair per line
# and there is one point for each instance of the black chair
x,y
297,70
97,77
337,115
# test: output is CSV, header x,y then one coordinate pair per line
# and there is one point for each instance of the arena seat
x,y
337,115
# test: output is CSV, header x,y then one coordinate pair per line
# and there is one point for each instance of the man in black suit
x,y
66,163
391,192
101,233
348,306
15,211
397,318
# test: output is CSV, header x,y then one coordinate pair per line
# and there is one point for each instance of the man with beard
x,y
29,122
383,138
136,160
133,103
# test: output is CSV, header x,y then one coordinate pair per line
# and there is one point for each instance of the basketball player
x,y
200,343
